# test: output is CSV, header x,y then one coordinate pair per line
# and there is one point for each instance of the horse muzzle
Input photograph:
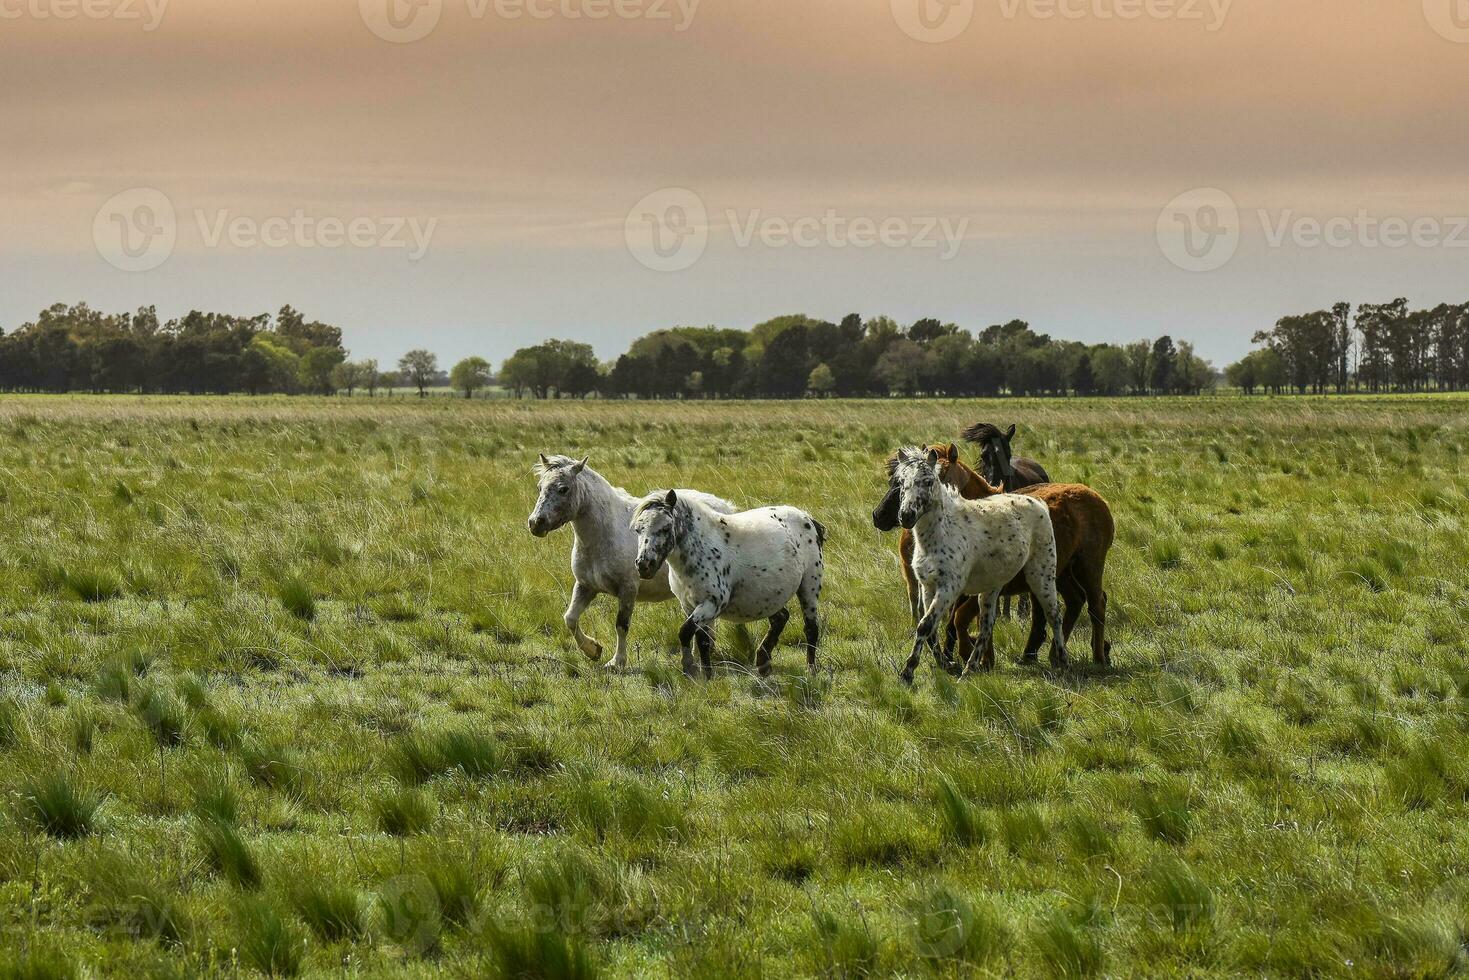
x,y
907,519
538,526
647,568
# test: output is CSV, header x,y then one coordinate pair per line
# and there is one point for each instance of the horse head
x,y
558,500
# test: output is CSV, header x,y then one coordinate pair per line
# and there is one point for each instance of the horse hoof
x,y
615,664
906,679
594,651
1030,659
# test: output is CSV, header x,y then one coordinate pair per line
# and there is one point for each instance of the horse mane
x,y
981,432
552,464
972,476
907,454
653,501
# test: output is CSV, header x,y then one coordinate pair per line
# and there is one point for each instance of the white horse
x,y
737,567
602,556
972,547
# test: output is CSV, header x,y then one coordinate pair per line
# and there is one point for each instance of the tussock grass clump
x,y
1184,899
272,764
163,715
1069,950
536,954
402,811
60,805
844,947
82,728
1420,776
227,853
417,757
1166,810
93,584
27,962
962,822
1166,553
130,894
946,926
215,799
296,597
573,892
11,723
267,940
333,911
626,808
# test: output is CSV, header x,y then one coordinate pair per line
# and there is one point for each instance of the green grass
x,y
284,688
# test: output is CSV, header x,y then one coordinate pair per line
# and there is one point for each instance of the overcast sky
x,y
1021,168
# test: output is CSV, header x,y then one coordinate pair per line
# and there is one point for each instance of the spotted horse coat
x,y
736,567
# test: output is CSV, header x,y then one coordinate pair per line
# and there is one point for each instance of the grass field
x,y
284,687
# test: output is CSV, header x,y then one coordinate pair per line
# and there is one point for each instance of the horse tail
x,y
820,534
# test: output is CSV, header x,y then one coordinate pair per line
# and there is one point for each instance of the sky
x,y
474,176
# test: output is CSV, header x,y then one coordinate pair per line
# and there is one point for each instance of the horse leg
x,y
625,605
958,653
701,616
938,608
1089,580
809,594
772,637
581,597
1074,598
1040,575
705,637
991,605
915,591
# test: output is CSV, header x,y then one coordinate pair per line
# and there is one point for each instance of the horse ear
x,y
933,457
671,501
953,454
578,467
544,460
1010,434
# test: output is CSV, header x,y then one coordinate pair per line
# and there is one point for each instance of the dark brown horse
x,y
1001,467
1084,532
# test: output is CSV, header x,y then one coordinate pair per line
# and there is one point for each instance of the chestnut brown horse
x,y
1084,532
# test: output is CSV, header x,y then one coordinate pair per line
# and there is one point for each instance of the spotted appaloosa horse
x,y
972,547
1084,529
1003,469
738,567
604,553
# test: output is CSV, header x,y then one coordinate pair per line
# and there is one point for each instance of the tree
x,y
417,368
822,382
372,379
1161,364
349,376
318,366
903,367
470,375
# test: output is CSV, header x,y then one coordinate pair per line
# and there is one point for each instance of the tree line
x,y
796,356
1374,347
1378,347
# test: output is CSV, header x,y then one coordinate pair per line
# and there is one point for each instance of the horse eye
x,y
563,490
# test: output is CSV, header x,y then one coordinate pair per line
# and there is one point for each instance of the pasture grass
x,y
284,689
